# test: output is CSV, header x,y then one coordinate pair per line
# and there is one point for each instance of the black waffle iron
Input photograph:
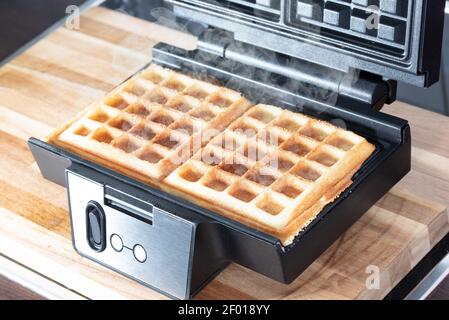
x,y
337,60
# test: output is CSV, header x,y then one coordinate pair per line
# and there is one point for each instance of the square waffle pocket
x,y
272,169
151,124
263,166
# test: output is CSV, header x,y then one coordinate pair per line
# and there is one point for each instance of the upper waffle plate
x,y
397,39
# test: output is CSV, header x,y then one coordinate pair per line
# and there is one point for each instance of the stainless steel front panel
x,y
168,241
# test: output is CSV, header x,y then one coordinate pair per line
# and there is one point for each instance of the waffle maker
x,y
319,57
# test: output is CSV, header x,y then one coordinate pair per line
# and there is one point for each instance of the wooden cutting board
x,y
69,69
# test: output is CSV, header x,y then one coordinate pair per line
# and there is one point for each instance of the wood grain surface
x,y
441,292
62,74
10,290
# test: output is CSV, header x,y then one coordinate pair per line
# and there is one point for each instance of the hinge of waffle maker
x,y
352,87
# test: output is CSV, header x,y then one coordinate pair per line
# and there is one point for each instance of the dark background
x,y
22,20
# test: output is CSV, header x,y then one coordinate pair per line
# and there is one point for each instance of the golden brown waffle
x,y
266,167
152,123
273,169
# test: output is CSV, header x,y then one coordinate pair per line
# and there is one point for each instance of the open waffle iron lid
x,y
395,39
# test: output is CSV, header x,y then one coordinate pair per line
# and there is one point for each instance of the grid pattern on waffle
x,y
265,161
152,120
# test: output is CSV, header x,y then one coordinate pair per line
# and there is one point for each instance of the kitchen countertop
x,y
10,290
60,75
